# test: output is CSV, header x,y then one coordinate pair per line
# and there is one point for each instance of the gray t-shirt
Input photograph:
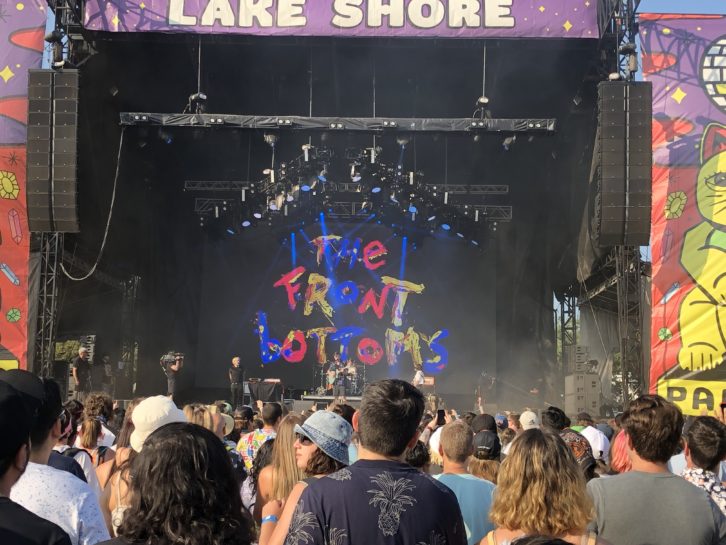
x,y
638,508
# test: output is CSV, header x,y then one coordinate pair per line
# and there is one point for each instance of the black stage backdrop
x,y
442,314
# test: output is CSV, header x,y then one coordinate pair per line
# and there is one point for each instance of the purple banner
x,y
350,18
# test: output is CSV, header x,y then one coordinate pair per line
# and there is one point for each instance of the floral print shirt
x,y
382,502
707,481
250,443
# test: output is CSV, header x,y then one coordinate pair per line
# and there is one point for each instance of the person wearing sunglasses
x,y
321,449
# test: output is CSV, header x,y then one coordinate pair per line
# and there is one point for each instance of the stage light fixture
x,y
509,141
216,121
376,189
306,152
431,218
482,101
197,103
460,235
271,139
305,188
403,140
413,209
446,227
257,215
323,176
142,117
390,124
284,122
230,231
337,126
246,223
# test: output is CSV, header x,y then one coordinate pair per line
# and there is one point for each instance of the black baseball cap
x,y
484,422
487,446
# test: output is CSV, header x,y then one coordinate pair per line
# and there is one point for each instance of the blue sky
x,y
683,6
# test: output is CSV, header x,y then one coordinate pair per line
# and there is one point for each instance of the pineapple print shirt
x,y
377,502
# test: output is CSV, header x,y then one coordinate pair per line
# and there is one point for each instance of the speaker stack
x,y
52,158
624,157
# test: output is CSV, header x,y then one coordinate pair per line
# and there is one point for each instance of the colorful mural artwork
x,y
23,25
310,293
685,58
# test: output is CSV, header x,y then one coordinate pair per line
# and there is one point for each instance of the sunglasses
x,y
304,440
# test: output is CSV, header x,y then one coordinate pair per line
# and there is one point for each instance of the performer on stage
x,y
339,378
81,367
418,378
236,383
171,363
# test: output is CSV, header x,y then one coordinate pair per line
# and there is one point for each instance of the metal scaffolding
x,y
567,327
630,318
51,246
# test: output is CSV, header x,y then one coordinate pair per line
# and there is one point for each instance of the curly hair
x,y
184,491
540,488
98,404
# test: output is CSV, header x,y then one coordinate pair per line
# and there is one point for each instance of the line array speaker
x,y
624,159
52,150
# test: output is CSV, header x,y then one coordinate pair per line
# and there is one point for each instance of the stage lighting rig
x,y
197,103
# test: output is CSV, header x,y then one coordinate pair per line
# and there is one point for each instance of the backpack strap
x,y
71,452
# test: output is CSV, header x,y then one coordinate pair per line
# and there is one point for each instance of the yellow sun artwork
x,y
675,204
9,188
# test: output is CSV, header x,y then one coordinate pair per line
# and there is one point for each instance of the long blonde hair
x,y
540,488
198,413
285,473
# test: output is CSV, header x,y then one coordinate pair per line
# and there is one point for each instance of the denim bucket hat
x,y
329,432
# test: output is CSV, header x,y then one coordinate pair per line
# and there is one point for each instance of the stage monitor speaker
x,y
52,151
624,159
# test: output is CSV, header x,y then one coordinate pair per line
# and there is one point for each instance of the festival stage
x,y
406,203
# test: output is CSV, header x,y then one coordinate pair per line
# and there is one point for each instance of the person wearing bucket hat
x,y
151,414
148,416
321,448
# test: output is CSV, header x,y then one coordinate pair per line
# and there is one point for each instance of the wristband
x,y
269,518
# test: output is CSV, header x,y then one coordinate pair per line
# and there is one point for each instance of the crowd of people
x,y
388,472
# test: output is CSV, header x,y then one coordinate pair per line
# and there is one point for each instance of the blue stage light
x,y
413,209
305,188
246,223
432,218
445,226
230,231
376,190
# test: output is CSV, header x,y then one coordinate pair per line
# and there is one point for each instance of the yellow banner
x,y
693,396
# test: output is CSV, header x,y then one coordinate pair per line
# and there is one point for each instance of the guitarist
x,y
338,378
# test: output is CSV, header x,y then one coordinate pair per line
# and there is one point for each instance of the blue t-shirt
x,y
475,501
381,502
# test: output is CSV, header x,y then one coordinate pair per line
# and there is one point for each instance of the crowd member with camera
x,y
171,363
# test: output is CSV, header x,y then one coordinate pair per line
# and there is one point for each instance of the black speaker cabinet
x,y
52,151
624,159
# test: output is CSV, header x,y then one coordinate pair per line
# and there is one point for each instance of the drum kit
x,y
355,374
